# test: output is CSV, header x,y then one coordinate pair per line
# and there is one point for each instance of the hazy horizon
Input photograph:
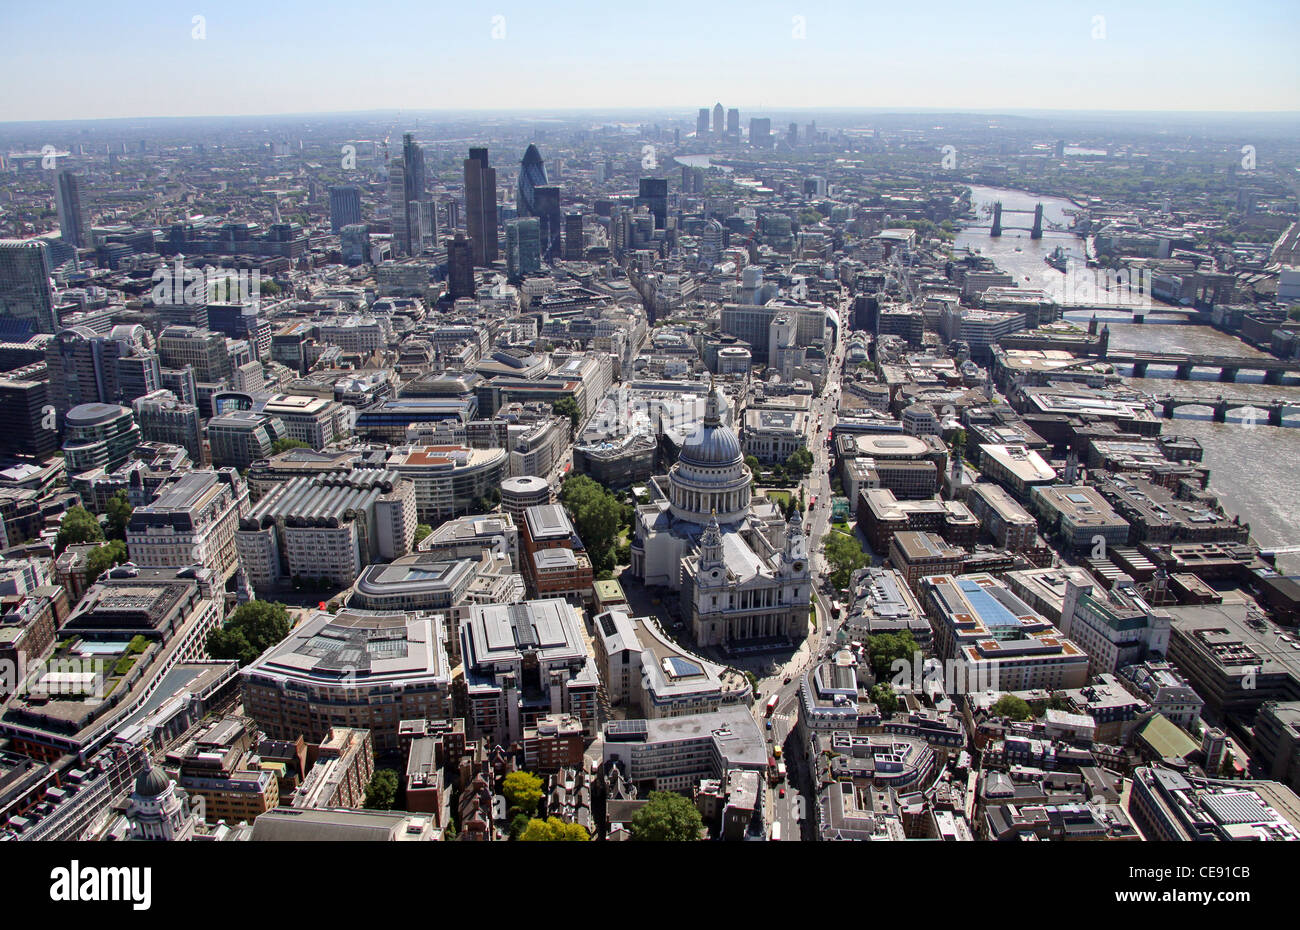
x,y
146,59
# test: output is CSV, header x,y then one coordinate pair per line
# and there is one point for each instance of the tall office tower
x,y
523,247
407,185
24,426
428,211
84,366
717,120
397,204
702,122
538,198
74,223
733,123
575,249
460,266
810,133
654,196
532,175
760,133
26,298
345,207
792,135
481,206
551,221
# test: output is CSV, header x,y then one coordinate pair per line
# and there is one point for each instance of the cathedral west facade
x,y
741,570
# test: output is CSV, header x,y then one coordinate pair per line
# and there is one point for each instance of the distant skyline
x,y
138,58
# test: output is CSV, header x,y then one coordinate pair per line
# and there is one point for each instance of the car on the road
x,y
787,680
782,794
769,724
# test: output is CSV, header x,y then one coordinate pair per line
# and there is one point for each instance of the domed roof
x,y
715,444
151,782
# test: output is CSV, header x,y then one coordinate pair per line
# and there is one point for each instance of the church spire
x,y
711,542
712,409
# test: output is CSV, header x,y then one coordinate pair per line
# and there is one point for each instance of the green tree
x,y
422,530
883,696
845,556
522,790
105,557
884,649
667,818
518,824
598,517
551,830
269,289
381,793
1012,707
285,444
753,464
78,526
567,407
118,513
251,630
799,463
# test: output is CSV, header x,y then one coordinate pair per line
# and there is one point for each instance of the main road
x,y
791,809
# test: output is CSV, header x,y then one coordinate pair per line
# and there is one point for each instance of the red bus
x,y
771,705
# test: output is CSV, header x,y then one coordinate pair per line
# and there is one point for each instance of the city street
x,y
790,810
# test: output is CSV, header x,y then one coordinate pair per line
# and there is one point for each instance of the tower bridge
x,y
1035,231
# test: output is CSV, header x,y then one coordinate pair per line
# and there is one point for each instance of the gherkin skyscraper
x,y
532,175
540,199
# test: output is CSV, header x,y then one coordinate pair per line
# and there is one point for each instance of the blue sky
x,y
134,58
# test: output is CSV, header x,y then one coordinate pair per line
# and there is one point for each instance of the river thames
x,y
1252,465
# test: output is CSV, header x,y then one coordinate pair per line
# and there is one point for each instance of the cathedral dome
x,y
715,444
151,782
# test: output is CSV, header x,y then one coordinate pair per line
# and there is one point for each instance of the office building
x,y
26,297
219,764
191,522
523,248
313,420
449,480
653,195
1171,806
522,662
163,418
169,612
646,671
358,668
999,642
481,207
575,248
1015,467
239,438
88,367
675,753
1010,525
326,527
28,424
74,219
1080,518
460,267
98,436
345,207
407,192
